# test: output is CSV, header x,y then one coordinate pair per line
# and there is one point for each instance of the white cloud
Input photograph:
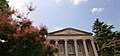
x,y
74,2
77,2
97,10
18,4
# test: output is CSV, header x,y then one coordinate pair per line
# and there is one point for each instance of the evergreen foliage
x,y
108,40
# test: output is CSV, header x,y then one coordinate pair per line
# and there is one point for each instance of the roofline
x,y
69,28
69,35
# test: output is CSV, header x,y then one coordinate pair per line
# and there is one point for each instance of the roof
x,y
77,30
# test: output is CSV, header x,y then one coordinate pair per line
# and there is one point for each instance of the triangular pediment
x,y
70,31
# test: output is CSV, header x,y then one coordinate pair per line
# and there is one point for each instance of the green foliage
x,y
3,4
52,41
108,41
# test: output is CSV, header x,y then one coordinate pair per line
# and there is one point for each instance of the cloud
x,y
77,2
74,2
97,10
18,4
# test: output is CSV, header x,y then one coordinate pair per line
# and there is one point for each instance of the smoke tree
x,y
18,37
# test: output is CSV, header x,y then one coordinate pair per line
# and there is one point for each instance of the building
x,y
74,42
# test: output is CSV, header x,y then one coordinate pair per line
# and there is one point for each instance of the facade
x,y
74,42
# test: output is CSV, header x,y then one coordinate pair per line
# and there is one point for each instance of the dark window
x,y
78,46
70,48
61,48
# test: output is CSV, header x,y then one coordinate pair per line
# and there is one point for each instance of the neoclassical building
x,y
74,42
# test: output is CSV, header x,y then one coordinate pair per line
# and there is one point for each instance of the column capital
x,y
75,39
65,39
84,39
91,40
56,40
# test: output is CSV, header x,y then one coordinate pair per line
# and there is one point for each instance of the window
x,y
88,47
97,47
61,49
70,48
78,46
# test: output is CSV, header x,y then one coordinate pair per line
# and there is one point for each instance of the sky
x,y
78,14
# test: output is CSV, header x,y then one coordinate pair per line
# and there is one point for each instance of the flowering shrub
x,y
20,37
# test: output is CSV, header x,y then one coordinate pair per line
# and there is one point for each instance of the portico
x,y
74,43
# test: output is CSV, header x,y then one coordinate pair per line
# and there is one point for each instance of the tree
x,y
20,36
108,40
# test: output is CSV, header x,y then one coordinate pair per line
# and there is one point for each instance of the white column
x,y
76,49
94,48
56,42
85,47
66,50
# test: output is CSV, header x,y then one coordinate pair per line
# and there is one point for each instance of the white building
x,y
74,42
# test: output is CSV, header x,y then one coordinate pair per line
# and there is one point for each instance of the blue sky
x,y
79,14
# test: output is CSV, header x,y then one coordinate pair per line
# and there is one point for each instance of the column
x,y
56,42
94,48
85,47
66,50
76,49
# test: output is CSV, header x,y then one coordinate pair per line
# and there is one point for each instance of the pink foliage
x,y
37,38
16,29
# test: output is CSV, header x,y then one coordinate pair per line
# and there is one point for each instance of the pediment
x,y
70,31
